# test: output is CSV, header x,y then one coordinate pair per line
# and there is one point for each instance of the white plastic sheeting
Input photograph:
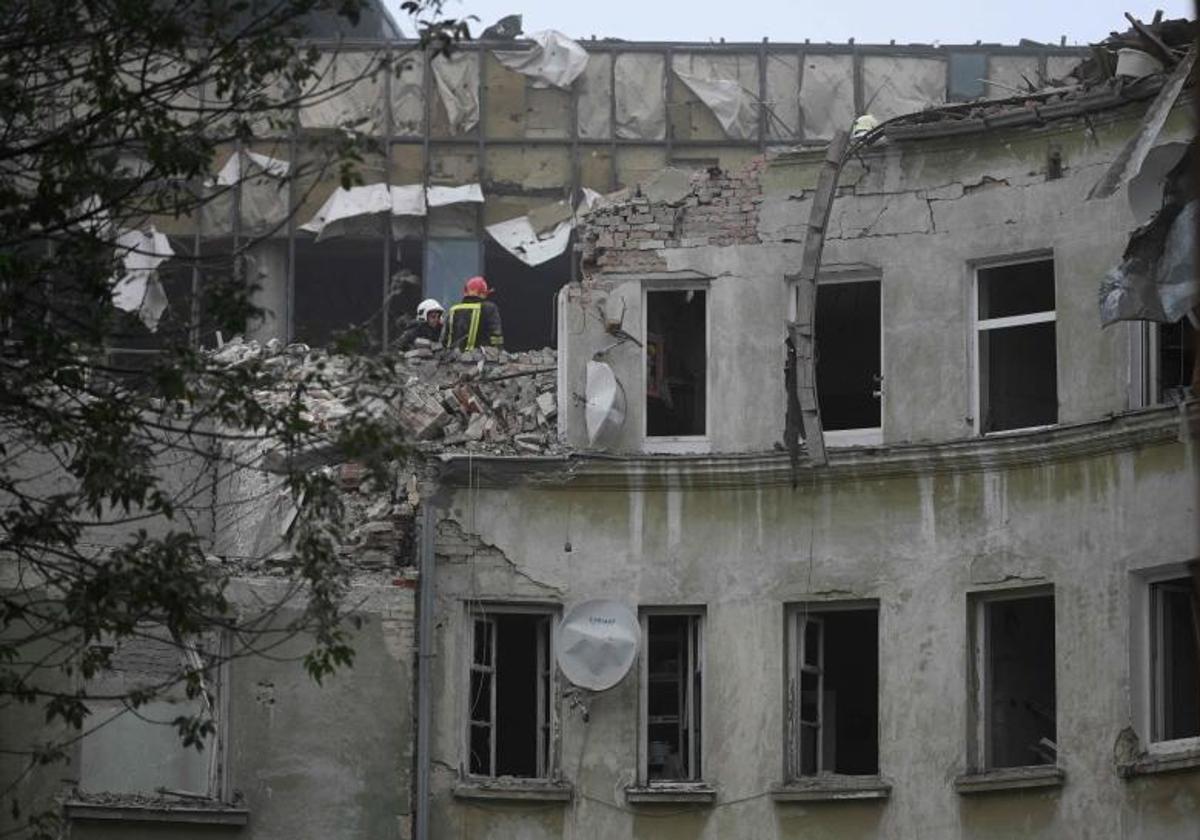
x,y
896,85
723,83
138,289
554,60
457,78
408,95
595,98
641,94
782,105
347,92
827,95
437,196
346,210
351,211
254,164
519,238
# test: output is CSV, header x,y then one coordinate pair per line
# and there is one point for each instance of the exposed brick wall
x,y
719,208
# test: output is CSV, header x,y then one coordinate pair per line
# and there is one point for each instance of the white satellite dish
x,y
604,410
597,643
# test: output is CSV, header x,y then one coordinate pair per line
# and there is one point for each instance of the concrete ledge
x,y
678,793
1150,764
1010,778
832,788
514,791
221,815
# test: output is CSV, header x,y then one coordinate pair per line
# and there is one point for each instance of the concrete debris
x,y
477,400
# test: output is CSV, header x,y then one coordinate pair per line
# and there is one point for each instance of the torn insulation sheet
x,y
554,60
138,289
718,82
457,78
641,97
519,238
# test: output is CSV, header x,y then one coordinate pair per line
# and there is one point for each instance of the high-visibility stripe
x,y
476,310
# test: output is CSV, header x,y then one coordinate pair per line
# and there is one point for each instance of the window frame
x,y
1144,670
547,726
696,642
794,646
217,745
979,746
1041,317
678,443
867,435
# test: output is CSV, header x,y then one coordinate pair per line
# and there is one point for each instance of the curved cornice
x,y
594,471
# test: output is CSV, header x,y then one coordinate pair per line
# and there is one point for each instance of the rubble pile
x,y
1126,66
485,400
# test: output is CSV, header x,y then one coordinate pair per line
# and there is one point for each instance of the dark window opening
x,y
1018,374
338,288
673,673
510,696
408,264
848,351
1018,679
835,706
1176,659
527,296
676,363
1176,358
1020,289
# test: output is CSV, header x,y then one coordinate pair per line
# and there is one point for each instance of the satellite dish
x,y
604,409
597,643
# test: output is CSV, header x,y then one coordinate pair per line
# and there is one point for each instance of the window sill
x,y
212,815
832,788
684,445
676,793
1010,778
1162,761
514,790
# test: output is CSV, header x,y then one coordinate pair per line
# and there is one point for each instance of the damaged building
x,y
906,531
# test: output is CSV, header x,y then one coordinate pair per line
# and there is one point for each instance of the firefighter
x,y
427,325
475,322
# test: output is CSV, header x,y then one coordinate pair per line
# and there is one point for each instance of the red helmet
x,y
477,287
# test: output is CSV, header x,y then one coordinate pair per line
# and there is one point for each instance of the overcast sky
x,y
866,21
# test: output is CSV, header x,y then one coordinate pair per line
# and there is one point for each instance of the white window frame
x,y
978,325
980,746
1144,665
667,444
547,713
696,648
217,683
798,616
869,435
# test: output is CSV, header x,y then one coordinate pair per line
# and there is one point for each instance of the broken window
x,y
676,362
849,342
1016,355
338,287
672,671
1175,357
833,690
1175,657
511,687
137,748
527,296
1015,680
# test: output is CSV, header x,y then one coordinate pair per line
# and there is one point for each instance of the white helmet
x,y
426,306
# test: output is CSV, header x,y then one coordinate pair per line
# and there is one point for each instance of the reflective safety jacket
x,y
474,323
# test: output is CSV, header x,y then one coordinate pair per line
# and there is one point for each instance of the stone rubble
x,y
485,400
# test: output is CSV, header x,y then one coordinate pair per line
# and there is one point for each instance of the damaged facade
x,y
976,619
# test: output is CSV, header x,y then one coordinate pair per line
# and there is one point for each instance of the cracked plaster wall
x,y
916,543
917,214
